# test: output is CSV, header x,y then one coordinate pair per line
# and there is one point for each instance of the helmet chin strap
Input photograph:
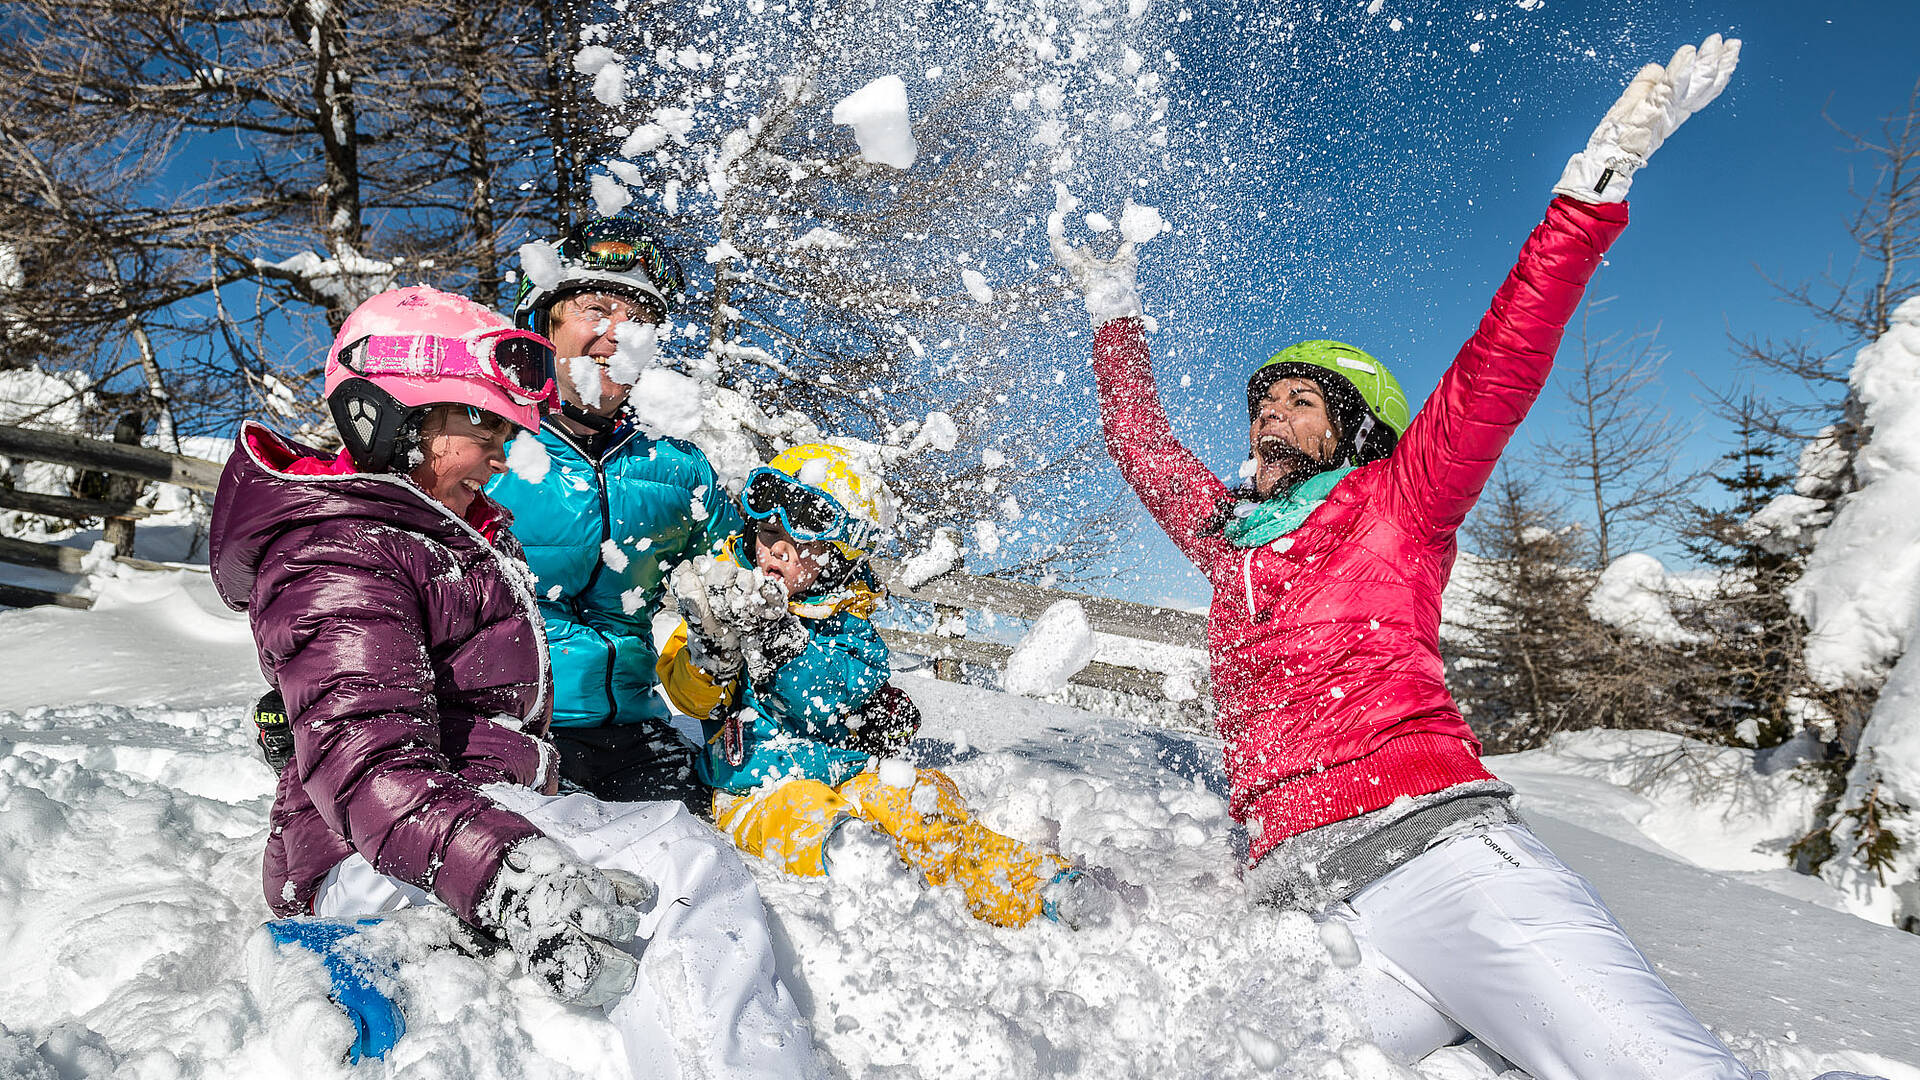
x,y
1361,430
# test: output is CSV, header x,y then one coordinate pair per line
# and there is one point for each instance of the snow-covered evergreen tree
x,y
1860,595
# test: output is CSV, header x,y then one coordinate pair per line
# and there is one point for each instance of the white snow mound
x,y
1634,594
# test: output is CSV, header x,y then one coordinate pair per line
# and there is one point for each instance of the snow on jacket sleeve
x,y
1181,493
843,665
1437,471
691,690
350,657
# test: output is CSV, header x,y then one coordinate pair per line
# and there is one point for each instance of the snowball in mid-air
x,y
898,773
541,263
590,59
527,458
1056,648
977,286
645,139
610,86
611,555
937,431
610,196
666,403
941,553
1141,223
585,373
986,537
634,351
881,124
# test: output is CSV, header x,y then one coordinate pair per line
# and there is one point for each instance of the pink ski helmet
x,y
405,350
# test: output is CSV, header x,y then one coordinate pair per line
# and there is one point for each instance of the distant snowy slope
x,y
153,638
133,809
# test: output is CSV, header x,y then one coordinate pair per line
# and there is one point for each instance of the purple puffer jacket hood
x,y
410,653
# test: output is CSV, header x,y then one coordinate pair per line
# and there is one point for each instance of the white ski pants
x,y
708,1003
1488,933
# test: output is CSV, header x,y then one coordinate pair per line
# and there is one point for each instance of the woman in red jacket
x,y
1359,783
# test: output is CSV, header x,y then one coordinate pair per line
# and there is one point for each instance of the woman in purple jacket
x,y
391,608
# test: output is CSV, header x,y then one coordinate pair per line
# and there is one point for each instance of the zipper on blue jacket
x,y
600,562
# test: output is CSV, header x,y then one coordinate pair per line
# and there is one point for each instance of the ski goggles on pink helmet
x,y
516,363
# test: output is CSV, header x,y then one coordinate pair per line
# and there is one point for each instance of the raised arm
x,y
1443,461
1181,493
1448,452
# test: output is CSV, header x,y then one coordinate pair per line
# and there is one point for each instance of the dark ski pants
x,y
643,762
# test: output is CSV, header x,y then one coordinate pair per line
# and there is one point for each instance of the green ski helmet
x,y
1363,397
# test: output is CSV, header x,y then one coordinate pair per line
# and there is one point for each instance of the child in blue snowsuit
x,y
779,661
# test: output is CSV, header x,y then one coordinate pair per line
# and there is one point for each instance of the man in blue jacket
x,y
613,513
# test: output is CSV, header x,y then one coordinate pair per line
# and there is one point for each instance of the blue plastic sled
x,y
376,1017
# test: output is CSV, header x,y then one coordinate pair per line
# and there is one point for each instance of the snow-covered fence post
x,y
948,621
118,530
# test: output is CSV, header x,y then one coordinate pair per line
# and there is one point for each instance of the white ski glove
x,y
722,601
1108,285
1658,101
566,920
713,645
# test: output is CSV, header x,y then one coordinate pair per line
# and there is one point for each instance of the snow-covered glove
x,y
885,724
1108,285
1084,898
712,645
1658,101
736,596
567,920
771,645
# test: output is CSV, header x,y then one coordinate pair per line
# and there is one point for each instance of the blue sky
x,y
1373,185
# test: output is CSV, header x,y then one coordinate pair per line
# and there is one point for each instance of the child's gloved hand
x,y
739,596
566,920
766,647
713,645
885,724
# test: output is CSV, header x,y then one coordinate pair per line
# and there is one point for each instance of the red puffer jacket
x,y
1325,644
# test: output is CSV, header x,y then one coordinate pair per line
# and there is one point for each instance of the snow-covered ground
x,y
133,809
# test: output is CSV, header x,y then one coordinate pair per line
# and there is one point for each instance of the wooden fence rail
x,y
81,452
952,594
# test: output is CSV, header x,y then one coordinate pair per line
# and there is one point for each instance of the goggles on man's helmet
x,y
618,245
521,364
805,512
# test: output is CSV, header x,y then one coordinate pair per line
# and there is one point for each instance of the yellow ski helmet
x,y
819,492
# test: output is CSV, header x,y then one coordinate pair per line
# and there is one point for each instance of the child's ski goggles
x,y
807,513
520,363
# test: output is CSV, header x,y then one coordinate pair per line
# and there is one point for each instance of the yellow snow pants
x,y
931,826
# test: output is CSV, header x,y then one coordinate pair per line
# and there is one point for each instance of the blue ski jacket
x,y
600,537
798,727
